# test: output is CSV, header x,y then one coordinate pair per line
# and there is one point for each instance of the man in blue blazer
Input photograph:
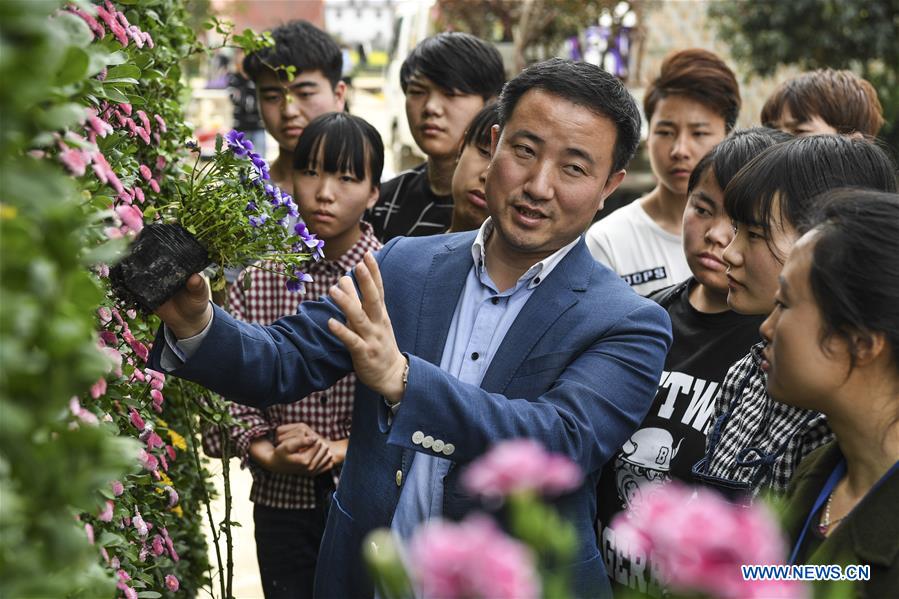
x,y
463,340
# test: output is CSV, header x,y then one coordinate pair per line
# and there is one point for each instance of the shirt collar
x,y
349,259
536,274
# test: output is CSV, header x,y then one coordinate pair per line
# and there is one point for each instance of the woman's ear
x,y
373,197
868,347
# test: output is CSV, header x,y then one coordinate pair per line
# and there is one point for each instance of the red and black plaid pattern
x,y
328,412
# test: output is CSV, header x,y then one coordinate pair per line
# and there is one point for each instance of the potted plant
x,y
226,212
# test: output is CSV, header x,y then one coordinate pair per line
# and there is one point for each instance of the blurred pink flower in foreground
x,y
521,465
472,558
171,582
700,540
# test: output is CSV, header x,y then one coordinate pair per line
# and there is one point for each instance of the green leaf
x,y
74,67
76,30
114,94
148,594
123,71
61,117
218,143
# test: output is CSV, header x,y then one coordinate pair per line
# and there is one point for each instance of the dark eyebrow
x,y
280,88
693,124
784,286
573,151
701,195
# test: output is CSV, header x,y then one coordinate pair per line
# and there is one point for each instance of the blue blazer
x,y
577,371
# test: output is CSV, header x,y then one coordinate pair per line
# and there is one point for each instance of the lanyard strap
x,y
835,476
832,481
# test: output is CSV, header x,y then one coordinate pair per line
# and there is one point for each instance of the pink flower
x,y
105,173
75,160
104,314
154,185
131,216
114,563
169,544
96,28
140,349
98,125
145,172
129,592
137,421
123,576
106,514
117,488
131,313
125,197
170,451
105,554
109,338
171,583
154,441
138,194
521,465
89,531
162,127
98,389
144,120
113,233
165,464
143,134
139,525
126,108
103,271
148,460
173,496
136,35
115,359
85,416
472,558
157,546
157,399
160,160
699,541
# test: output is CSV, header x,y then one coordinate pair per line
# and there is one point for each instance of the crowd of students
x,y
763,361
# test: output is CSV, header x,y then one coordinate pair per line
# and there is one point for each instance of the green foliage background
x,y
842,34
56,466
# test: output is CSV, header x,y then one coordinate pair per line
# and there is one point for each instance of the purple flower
x,y
260,165
301,230
297,285
257,221
239,144
251,206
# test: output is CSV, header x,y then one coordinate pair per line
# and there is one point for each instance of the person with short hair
x,y
708,338
824,101
756,443
469,199
287,106
295,450
833,347
691,106
460,341
447,79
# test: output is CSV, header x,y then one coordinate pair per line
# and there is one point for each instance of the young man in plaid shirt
x,y
295,450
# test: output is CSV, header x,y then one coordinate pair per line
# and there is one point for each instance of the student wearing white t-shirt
x,y
691,106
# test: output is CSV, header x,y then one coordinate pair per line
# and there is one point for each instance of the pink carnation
x,y
521,465
170,451
157,546
171,582
139,525
160,160
75,160
117,488
144,134
89,531
104,314
131,216
154,441
98,389
148,460
109,338
136,35
154,185
106,514
105,173
173,496
138,194
699,541
161,123
126,108
169,544
145,172
472,558
85,416
137,421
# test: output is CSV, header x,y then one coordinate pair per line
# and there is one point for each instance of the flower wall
x,y
102,490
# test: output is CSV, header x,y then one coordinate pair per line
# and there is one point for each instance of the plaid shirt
x,y
759,427
329,412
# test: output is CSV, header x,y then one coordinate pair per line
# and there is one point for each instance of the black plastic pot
x,y
159,263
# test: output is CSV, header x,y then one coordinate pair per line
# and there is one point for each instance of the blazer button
x,y
418,437
427,442
448,449
438,446
399,477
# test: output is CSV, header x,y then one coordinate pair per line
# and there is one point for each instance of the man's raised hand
x,y
368,333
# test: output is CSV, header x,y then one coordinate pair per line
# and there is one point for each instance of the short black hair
x,y
586,85
785,179
456,62
348,144
478,131
298,44
733,152
853,275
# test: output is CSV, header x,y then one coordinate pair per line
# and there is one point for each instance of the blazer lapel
x,y
550,300
442,289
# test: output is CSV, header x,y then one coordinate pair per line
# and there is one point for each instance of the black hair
x,y
733,152
347,143
586,85
854,274
784,180
478,131
456,62
298,44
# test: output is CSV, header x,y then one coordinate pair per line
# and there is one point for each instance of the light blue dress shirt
x,y
482,318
